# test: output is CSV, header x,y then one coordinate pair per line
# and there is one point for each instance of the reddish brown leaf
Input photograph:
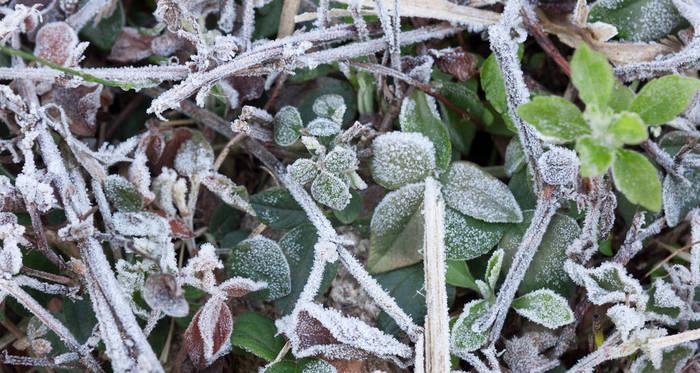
x,y
237,286
456,62
248,87
55,41
80,105
173,141
207,337
131,46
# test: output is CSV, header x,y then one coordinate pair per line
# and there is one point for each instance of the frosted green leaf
x,y
636,178
463,338
607,283
261,259
637,20
303,170
396,230
555,118
544,307
323,127
628,128
493,268
301,366
595,158
277,208
340,160
467,238
559,166
195,155
621,97
288,125
663,99
419,114
673,360
351,211
122,194
401,158
233,195
330,190
664,304
515,157
547,267
592,75
679,196
478,194
331,106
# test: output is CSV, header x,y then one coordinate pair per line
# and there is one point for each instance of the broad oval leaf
x,y
662,99
628,128
257,334
288,125
463,338
194,156
323,127
396,230
340,160
122,194
401,158
419,114
595,158
636,178
544,307
277,208
208,336
478,194
330,106
303,170
467,238
261,259
637,20
554,118
592,75
330,190
680,196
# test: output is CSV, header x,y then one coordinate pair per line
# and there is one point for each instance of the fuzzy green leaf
x,y
628,128
544,307
463,338
261,259
288,125
467,238
419,114
636,178
555,118
595,158
592,75
661,100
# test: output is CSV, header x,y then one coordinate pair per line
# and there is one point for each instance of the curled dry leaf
x,y
208,336
131,46
238,286
316,331
161,292
55,42
80,105
456,62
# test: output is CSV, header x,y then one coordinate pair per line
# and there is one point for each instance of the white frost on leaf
x,y
331,191
199,271
607,283
559,166
141,224
194,156
340,160
38,193
544,307
323,127
288,125
626,319
261,259
331,106
163,187
232,194
303,170
401,158
464,338
314,330
11,237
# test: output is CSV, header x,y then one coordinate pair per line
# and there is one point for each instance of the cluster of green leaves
x,y
614,117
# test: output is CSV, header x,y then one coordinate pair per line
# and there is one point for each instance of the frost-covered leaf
x,y
317,331
628,128
679,196
664,304
544,307
145,224
674,359
261,259
208,336
515,157
607,283
636,178
323,127
559,166
330,190
637,20
194,156
331,106
256,334
547,267
662,99
595,158
303,170
463,338
55,41
401,158
626,319
104,33
493,268
480,195
161,292
233,195
467,238
122,194
340,160
555,118
298,247
301,366
419,114
288,125
350,213
278,209
396,230
592,75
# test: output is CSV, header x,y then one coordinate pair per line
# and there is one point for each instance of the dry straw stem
x,y
672,340
437,328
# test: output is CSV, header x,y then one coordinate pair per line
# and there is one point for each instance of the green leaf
x,y
493,268
637,20
592,75
674,359
621,97
555,118
515,157
595,158
303,170
636,178
628,128
396,230
463,338
331,106
351,211
288,125
663,99
224,220
419,114
478,194
461,130
330,190
547,267
122,194
298,247
458,275
493,85
681,196
105,33
301,366
267,19
261,259
278,209
467,238
401,158
544,307
256,334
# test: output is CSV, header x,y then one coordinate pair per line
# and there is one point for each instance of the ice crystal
x,y
626,319
524,354
11,237
303,170
161,292
401,158
330,190
323,127
163,189
38,193
331,106
559,166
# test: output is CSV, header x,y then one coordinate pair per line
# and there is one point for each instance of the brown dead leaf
x,y
456,62
55,41
207,336
80,105
131,46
